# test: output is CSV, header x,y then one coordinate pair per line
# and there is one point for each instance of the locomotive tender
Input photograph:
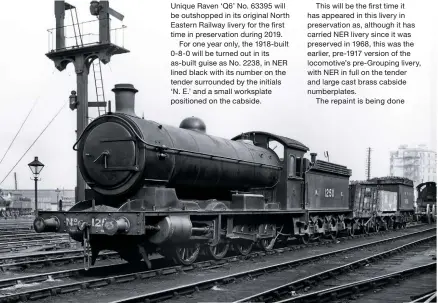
x,y
181,192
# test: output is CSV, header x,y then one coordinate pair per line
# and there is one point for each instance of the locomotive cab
x,y
289,189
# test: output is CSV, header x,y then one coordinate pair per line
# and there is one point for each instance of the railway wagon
x,y
382,203
426,201
15,206
22,206
181,192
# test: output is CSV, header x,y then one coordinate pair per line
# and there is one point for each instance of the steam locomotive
x,y
426,201
182,192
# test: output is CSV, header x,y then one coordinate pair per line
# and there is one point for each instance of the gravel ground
x,y
399,292
239,290
117,291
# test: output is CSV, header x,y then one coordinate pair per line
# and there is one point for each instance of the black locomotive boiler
x,y
181,192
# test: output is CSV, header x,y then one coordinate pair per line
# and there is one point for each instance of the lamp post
x,y
36,167
57,191
58,201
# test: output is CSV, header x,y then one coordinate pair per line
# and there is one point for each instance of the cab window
x,y
292,167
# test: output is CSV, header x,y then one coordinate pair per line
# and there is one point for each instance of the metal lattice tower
x,y
368,164
82,54
97,67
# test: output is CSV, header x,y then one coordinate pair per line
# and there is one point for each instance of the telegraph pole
x,y
16,182
82,56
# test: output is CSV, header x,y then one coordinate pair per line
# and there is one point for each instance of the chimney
x,y
125,98
313,157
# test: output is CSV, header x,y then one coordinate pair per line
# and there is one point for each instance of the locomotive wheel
x,y
187,255
218,251
266,244
244,248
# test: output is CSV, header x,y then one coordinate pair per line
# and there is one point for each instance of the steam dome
x,y
193,123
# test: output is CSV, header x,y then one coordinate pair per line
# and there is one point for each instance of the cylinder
x,y
175,229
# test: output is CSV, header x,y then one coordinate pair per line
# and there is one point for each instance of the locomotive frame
x,y
182,192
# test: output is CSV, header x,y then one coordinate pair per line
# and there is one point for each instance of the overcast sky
x,y
346,132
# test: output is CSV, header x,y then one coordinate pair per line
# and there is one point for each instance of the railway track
x,y
322,282
30,236
9,223
350,290
418,290
21,232
209,289
4,222
51,258
138,275
21,228
6,247
48,258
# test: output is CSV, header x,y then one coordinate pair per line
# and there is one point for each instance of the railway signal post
x,y
82,53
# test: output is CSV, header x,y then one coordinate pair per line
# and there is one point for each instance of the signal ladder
x,y
98,84
96,65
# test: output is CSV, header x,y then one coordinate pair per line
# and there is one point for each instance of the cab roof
x,y
291,143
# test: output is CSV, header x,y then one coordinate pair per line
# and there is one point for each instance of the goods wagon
x,y
382,202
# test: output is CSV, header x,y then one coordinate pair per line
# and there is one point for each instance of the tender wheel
x,y
187,255
244,248
383,226
266,244
390,225
333,235
218,251
350,230
366,229
304,239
